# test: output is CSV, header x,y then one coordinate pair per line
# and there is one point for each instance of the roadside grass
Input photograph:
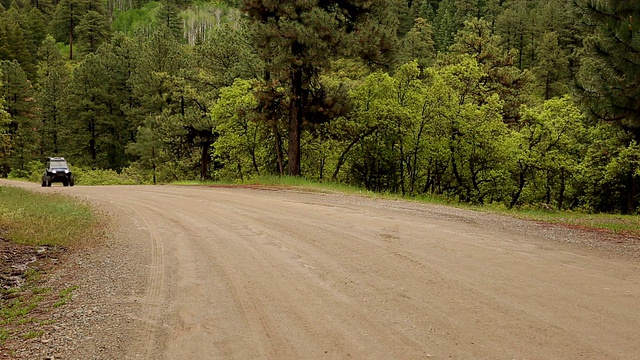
x,y
43,219
617,224
36,220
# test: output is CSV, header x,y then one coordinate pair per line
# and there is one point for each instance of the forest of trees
x,y
515,102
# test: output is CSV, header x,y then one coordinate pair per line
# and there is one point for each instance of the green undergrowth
x,y
43,219
619,224
35,220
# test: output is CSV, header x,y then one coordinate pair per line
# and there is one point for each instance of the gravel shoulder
x,y
205,272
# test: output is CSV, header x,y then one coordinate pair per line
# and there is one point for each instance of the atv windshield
x,y
58,164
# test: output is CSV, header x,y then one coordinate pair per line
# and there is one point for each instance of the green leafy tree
x,y
478,140
609,165
240,147
550,147
297,39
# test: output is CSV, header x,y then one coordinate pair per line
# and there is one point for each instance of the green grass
x,y
64,296
35,219
43,219
619,224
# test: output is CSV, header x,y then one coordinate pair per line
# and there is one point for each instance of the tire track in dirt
x,y
155,283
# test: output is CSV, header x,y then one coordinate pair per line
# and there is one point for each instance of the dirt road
x,y
221,273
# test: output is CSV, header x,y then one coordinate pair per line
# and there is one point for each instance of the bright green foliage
x,y
610,164
240,149
429,135
141,20
550,145
478,139
203,18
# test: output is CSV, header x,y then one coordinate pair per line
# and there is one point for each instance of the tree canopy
x,y
523,102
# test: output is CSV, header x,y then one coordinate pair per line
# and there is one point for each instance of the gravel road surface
x,y
192,272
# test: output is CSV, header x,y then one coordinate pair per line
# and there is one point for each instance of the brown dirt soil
x,y
16,259
189,272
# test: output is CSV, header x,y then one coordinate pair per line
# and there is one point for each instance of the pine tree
x,y
18,44
298,38
517,30
418,44
53,78
501,76
36,29
85,113
5,141
168,16
444,26
609,79
65,19
17,93
552,69
93,30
